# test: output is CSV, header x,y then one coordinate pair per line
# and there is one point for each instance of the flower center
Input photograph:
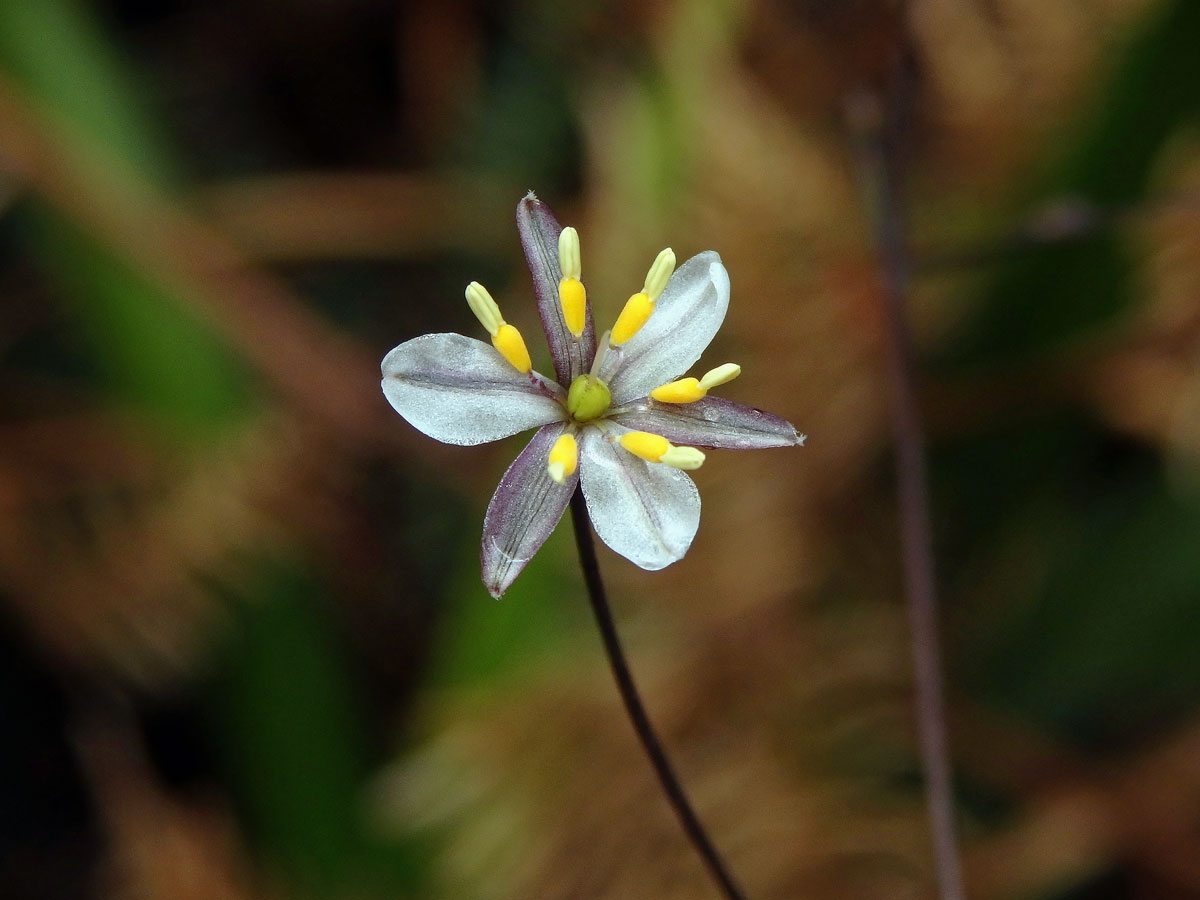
x,y
588,398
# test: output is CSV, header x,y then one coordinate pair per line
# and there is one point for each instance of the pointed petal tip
x,y
528,205
498,570
523,512
796,439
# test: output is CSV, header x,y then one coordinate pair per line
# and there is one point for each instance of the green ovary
x,y
588,398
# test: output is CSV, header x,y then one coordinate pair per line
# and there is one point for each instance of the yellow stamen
x,y
689,390
720,375
659,274
485,308
637,310
638,307
505,337
649,447
685,390
563,459
655,448
573,298
568,254
512,347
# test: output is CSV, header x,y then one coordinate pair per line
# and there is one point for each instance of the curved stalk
x,y
633,704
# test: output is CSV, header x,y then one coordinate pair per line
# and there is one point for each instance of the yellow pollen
x,y
637,310
563,459
685,390
485,308
638,307
512,347
689,390
573,298
569,261
649,447
659,274
655,448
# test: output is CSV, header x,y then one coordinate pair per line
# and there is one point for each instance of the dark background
x,y
244,650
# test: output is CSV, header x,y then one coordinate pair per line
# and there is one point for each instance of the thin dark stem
x,y
880,150
633,703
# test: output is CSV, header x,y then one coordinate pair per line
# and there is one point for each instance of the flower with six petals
x,y
616,419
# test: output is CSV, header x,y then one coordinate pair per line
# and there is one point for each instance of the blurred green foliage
x,y
284,704
1055,294
152,352
1100,651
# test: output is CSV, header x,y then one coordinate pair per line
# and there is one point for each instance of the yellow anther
x,y
484,307
649,447
563,459
569,260
637,310
659,274
655,448
685,390
689,390
638,307
512,347
687,458
573,297
720,375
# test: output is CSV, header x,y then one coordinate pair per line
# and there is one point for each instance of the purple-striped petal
x,y
462,391
539,232
710,422
524,510
684,322
647,512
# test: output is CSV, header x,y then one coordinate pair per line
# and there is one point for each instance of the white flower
x,y
612,419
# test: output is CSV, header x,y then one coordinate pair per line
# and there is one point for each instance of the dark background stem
x,y
879,124
633,703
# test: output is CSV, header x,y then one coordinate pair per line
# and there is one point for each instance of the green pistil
x,y
588,398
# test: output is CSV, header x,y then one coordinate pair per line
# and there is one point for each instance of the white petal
x,y
645,511
684,322
462,391
524,510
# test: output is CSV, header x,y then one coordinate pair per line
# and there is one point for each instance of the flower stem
x,y
633,703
